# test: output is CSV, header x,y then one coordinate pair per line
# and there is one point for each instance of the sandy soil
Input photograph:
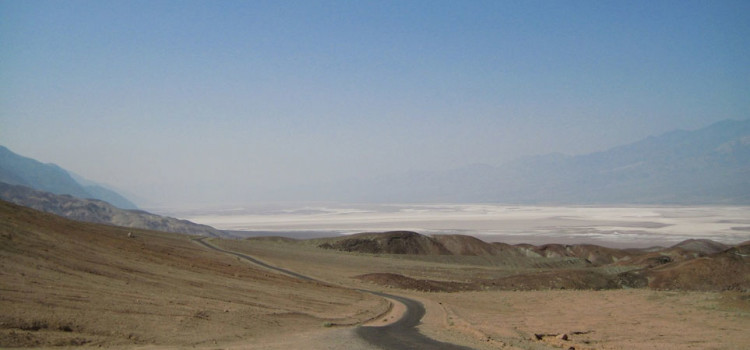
x,y
615,319
67,284
622,319
71,284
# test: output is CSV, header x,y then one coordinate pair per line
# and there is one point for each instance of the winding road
x,y
403,333
398,335
254,260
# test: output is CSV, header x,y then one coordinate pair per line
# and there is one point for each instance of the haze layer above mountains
x,y
706,166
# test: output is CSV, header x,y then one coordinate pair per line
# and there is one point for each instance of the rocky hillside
x,y
96,211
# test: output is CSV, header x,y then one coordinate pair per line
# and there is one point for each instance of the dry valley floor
x,y
64,283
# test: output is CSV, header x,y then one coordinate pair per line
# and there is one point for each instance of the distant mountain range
x,y
19,170
706,166
49,188
97,211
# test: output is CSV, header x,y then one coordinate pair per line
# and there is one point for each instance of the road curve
x,y
403,333
398,335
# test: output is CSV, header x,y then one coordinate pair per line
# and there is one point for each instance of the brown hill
x,y
660,257
727,270
394,242
519,255
407,242
468,245
690,265
394,280
705,246
70,283
542,280
96,211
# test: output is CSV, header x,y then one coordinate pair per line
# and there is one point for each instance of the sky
x,y
204,102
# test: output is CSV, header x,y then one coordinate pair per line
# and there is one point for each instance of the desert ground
x,y
71,284
605,319
67,283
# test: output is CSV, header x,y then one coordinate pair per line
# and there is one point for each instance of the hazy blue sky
x,y
206,101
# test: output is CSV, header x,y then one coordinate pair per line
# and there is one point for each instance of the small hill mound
x,y
394,242
705,246
727,270
566,279
407,242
